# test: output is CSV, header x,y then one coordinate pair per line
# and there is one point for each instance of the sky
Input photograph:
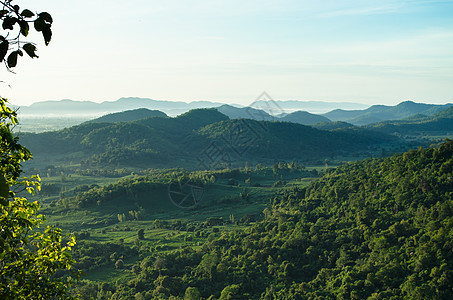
x,y
371,52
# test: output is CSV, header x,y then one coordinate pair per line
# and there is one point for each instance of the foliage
x,y
440,123
375,229
16,24
28,259
129,115
202,139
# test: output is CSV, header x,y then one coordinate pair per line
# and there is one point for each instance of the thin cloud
x,y
360,11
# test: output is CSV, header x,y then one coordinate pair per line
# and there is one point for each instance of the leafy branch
x,y
16,26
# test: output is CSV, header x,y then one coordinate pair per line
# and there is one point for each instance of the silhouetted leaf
x,y
46,17
47,34
30,50
27,13
24,28
3,49
9,22
12,59
40,24
3,13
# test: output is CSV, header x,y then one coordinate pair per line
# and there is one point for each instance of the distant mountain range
x,y
440,124
259,110
71,107
172,108
299,117
380,113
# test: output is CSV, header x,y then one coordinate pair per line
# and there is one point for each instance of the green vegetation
x,y
375,229
129,116
304,118
199,139
382,113
29,259
244,222
439,124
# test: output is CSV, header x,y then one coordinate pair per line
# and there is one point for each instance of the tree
x,y
28,259
119,264
16,26
230,292
192,293
141,234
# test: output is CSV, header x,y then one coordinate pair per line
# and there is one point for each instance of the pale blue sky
x,y
374,52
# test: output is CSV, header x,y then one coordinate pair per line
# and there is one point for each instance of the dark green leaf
x,y
16,8
27,13
47,34
4,187
3,49
40,24
24,28
46,17
30,50
9,22
12,59
3,13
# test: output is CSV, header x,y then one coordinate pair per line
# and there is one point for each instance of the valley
x,y
206,206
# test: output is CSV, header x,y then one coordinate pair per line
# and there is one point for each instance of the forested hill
x,y
129,115
379,113
289,140
193,136
304,118
375,229
440,123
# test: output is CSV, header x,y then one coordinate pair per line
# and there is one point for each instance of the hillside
x,y
373,229
202,138
332,125
244,113
129,115
379,113
440,123
304,118
143,142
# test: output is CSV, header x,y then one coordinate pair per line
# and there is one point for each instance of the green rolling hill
x,y
192,137
129,116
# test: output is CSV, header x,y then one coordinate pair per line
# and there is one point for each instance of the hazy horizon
x,y
370,52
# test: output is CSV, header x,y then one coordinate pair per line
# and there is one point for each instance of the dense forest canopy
x,y
373,229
